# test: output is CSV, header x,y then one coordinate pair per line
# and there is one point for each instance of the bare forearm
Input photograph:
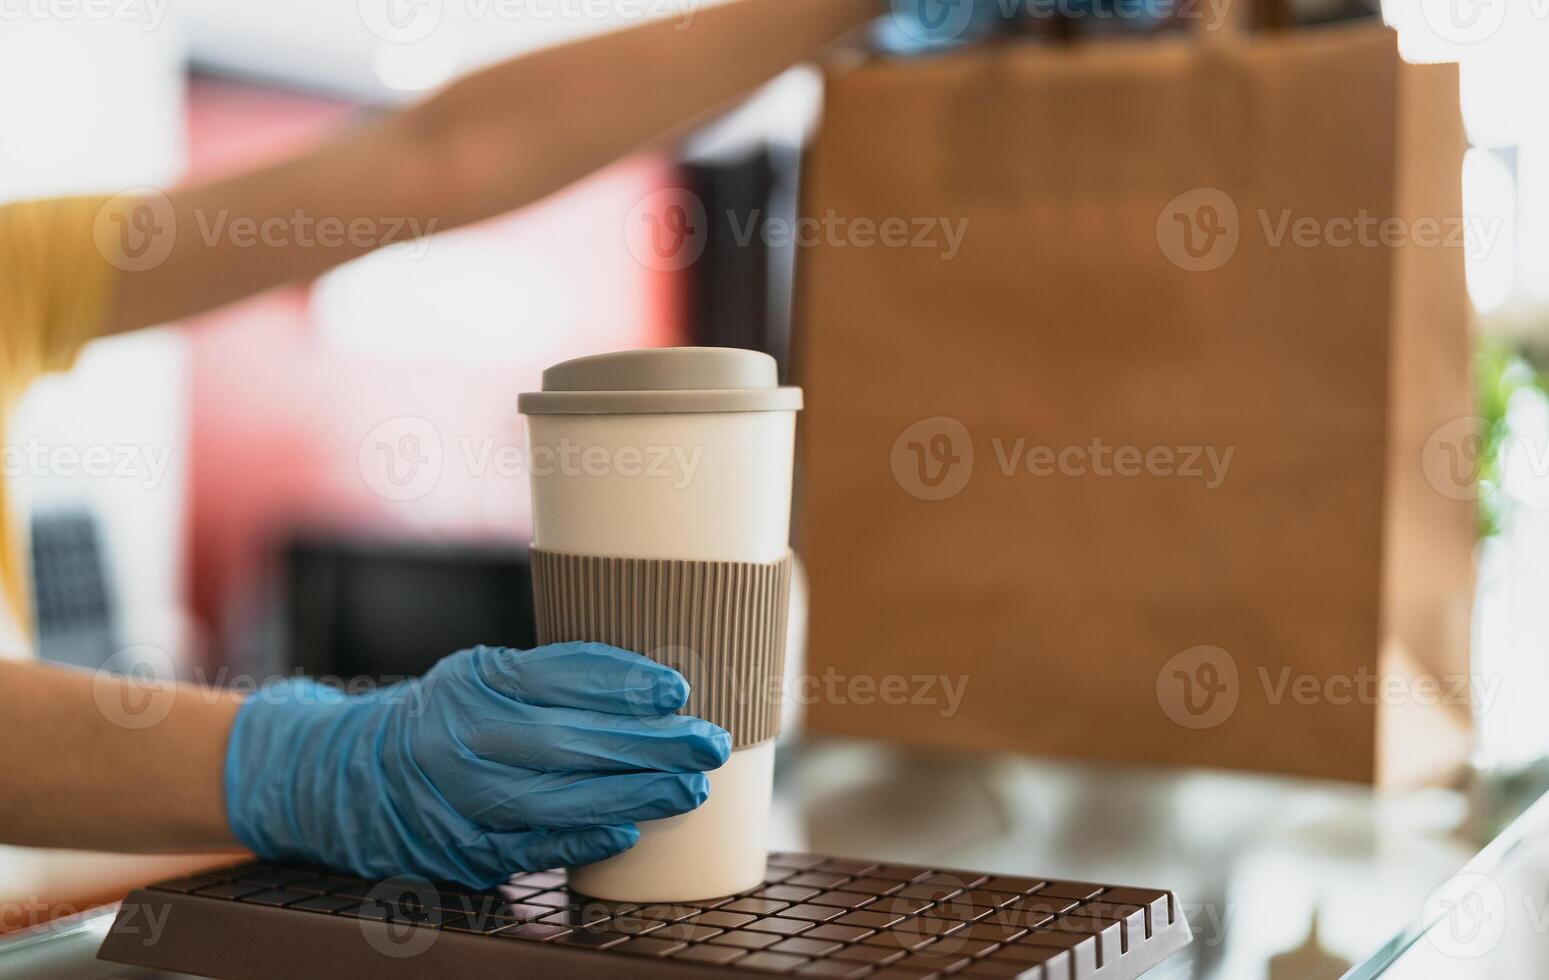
x,y
571,110
492,142
100,763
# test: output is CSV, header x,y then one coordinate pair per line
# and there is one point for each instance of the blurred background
x,y
259,415
255,526
247,432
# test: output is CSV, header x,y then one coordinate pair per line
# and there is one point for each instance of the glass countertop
x,y
1281,878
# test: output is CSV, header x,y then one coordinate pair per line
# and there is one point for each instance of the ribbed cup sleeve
x,y
722,624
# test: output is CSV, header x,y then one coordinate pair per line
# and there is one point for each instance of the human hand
x,y
496,761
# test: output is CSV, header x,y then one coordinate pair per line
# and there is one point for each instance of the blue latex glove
x,y
913,27
921,26
496,761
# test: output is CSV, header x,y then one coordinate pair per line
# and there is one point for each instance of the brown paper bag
x,y
1128,433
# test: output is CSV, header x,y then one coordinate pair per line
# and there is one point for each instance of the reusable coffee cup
x,y
661,486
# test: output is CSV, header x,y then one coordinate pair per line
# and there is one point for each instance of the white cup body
x,y
691,487
714,487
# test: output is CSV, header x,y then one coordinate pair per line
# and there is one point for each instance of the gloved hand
x,y
912,27
494,762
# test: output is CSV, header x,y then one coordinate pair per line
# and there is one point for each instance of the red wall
x,y
279,413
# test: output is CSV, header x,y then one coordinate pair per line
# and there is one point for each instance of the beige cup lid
x,y
666,381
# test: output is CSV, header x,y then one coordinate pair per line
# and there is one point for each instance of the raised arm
x,y
489,143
